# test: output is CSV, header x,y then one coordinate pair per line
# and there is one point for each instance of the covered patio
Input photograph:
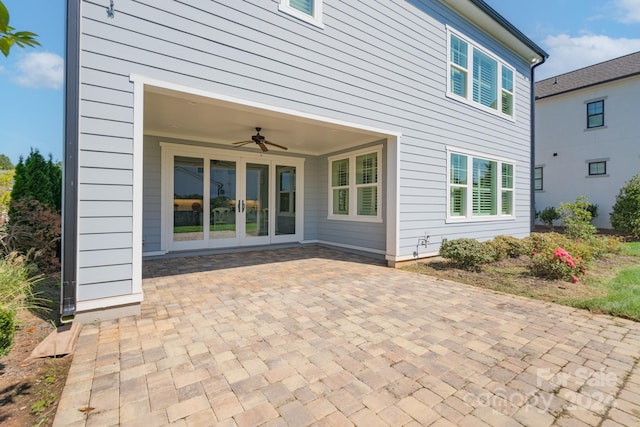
x,y
314,336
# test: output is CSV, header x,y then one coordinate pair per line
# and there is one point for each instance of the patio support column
x,y
393,199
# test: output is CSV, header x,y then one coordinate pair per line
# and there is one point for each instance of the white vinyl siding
x,y
355,190
480,187
306,10
492,82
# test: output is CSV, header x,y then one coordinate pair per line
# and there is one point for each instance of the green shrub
x,y
468,254
508,247
557,263
602,245
7,329
625,215
577,219
549,215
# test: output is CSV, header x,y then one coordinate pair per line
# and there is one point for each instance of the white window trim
x,y
353,188
315,19
469,202
468,99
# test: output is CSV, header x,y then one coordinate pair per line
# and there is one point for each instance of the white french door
x,y
222,198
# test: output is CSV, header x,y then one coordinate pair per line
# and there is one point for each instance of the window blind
x,y
485,80
484,187
305,6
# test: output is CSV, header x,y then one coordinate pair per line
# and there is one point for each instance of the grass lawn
x,y
611,285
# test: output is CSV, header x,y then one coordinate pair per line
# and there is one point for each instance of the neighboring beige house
x,y
587,138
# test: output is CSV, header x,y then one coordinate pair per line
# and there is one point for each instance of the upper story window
x,y
595,114
479,78
537,179
354,186
307,10
479,188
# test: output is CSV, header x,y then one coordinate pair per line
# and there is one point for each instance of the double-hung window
x,y
354,186
595,114
538,178
479,187
307,10
479,78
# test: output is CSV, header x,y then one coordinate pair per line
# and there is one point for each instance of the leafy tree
x,y
5,163
625,216
9,37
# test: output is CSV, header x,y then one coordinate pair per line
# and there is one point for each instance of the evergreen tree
x,y
38,179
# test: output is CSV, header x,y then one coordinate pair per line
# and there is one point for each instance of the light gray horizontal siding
x,y
104,257
105,225
380,63
98,241
110,273
107,176
104,290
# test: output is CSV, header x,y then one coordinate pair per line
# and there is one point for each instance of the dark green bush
x,y
549,215
468,254
625,216
7,329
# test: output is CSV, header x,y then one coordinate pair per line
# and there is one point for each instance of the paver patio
x,y
313,336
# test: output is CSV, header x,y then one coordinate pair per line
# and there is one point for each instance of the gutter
x,y
68,301
512,29
532,96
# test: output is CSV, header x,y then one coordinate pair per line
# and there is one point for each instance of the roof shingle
x,y
614,69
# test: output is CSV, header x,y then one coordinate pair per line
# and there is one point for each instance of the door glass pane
x,y
286,209
188,189
257,200
222,221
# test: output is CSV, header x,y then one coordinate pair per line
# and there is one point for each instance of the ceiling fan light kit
x,y
260,140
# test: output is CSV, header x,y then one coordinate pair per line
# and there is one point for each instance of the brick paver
x,y
313,336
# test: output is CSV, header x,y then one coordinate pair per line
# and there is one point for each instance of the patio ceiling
x,y
187,116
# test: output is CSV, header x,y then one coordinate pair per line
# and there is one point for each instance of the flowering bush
x,y
557,264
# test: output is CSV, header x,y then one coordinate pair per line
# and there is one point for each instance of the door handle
x,y
242,206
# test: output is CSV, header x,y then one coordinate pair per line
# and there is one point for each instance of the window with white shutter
x,y
492,80
479,187
355,189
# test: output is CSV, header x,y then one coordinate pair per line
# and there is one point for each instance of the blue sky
x,y
576,33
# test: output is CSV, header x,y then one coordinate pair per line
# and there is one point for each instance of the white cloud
x,y
628,11
568,53
40,70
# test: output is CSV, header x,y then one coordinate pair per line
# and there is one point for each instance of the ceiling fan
x,y
260,140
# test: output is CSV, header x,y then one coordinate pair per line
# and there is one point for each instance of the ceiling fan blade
x,y
276,145
263,147
241,143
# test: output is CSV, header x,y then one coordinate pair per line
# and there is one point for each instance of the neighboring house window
x,y
595,114
480,187
537,179
354,186
597,168
479,78
307,10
